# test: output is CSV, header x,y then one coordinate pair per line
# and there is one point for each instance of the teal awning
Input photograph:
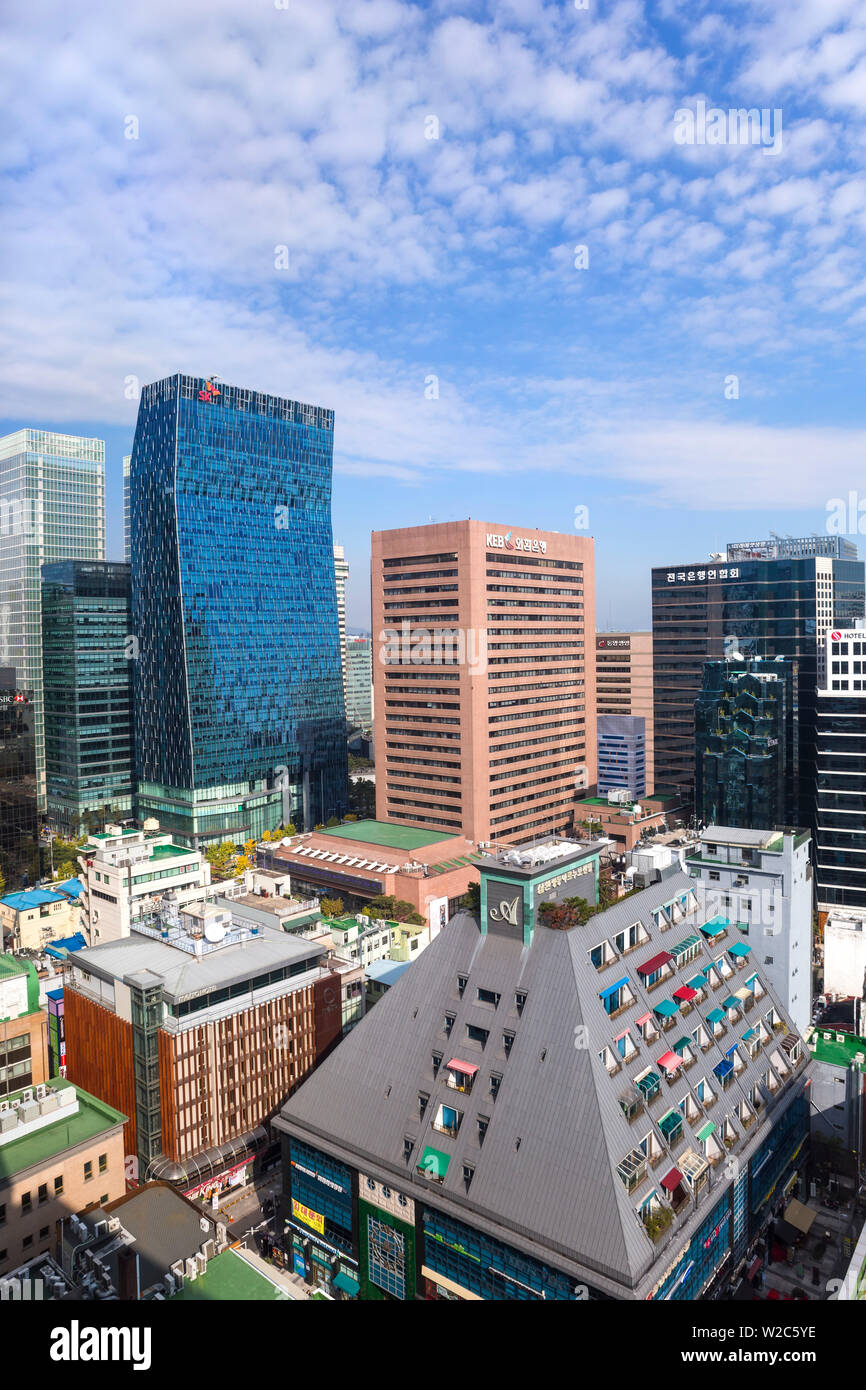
x,y
699,981
752,981
716,1016
708,1129
714,927
648,1083
686,945
346,1284
749,1033
434,1163
680,1046
666,1008
739,948
732,1002
670,1122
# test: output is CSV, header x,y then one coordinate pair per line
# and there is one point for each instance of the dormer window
x,y
507,1043
436,1059
489,996
519,1002
462,981
449,1024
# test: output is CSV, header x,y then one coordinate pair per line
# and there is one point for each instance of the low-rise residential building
x,y
845,952
127,873
621,818
61,1150
24,1055
29,920
838,1100
760,882
544,1109
150,1241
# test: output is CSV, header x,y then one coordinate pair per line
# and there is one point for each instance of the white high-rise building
x,y
341,575
52,507
759,885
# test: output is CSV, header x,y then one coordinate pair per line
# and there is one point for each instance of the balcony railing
x,y
446,1129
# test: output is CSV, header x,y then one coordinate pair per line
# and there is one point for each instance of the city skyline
x,y
393,228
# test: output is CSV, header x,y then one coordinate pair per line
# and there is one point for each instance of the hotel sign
x,y
495,542
701,576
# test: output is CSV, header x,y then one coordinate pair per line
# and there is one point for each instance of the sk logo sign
x,y
209,393
506,912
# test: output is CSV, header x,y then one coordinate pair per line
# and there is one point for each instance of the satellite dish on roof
x,y
214,931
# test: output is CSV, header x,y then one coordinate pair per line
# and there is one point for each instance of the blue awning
x,y
612,989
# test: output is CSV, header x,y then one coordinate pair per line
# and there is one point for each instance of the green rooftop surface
x,y
838,1054
229,1277
94,1117
380,832
10,967
163,851
341,923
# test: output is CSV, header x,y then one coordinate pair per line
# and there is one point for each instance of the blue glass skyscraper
x,y
238,682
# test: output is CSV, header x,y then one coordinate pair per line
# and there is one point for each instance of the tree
x,y
250,849
66,870
219,857
392,909
242,863
471,899
2,883
331,907
332,821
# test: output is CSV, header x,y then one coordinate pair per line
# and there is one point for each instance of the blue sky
x,y
306,127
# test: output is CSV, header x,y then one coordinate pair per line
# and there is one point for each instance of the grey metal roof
x,y
546,1175
734,835
183,974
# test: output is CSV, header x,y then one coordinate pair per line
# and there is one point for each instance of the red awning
x,y
644,1018
466,1067
649,966
686,993
672,1180
670,1061
753,1267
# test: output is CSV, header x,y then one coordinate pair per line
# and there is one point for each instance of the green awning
x,y
686,945
739,948
346,1284
716,1016
666,1008
434,1163
708,1129
680,1046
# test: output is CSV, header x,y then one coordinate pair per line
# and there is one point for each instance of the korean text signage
x,y
701,576
310,1218
512,542
613,643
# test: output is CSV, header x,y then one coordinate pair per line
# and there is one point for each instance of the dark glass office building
x,y
238,685
779,603
19,820
87,658
747,752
